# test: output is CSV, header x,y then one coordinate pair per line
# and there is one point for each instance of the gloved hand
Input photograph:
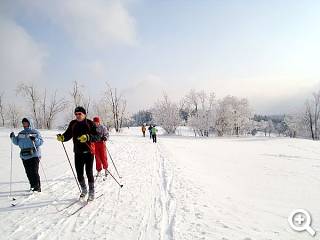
x,y
12,135
32,138
103,139
84,138
60,137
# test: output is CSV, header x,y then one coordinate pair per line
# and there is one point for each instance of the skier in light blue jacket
x,y
29,140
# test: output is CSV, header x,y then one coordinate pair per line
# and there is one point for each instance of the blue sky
x,y
267,51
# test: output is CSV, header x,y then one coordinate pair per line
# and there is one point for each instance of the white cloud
x,y
96,70
21,58
142,94
90,24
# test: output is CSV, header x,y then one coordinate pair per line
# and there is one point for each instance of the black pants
x,y
150,134
84,160
154,138
32,170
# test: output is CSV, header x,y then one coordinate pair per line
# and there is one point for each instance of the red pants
x,y
101,156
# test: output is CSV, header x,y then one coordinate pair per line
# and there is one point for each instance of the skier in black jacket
x,y
150,130
83,132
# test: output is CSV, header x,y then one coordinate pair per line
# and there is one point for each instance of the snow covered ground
x,y
181,188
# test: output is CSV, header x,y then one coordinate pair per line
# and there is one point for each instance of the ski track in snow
x,y
167,201
145,207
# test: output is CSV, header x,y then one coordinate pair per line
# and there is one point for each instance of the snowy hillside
x,y
180,188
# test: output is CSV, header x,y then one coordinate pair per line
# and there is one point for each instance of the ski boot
x,y
84,191
98,174
91,192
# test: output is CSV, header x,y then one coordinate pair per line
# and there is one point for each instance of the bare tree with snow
x,y
55,106
78,98
123,113
166,114
103,110
30,92
2,109
118,106
76,94
44,107
14,115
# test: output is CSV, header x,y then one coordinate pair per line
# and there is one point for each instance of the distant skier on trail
x,y
154,134
100,147
29,140
83,133
150,130
143,129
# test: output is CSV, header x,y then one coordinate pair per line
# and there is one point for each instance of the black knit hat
x,y
25,120
80,109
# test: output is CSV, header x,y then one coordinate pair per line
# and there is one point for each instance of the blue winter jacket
x,y
26,145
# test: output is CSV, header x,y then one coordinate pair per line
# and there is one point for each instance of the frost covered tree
x,y
2,109
295,125
233,116
249,128
270,127
200,107
242,115
141,117
117,105
14,115
223,119
281,128
166,114
263,127
184,115
312,114
191,102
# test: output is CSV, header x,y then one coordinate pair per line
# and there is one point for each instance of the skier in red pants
x,y
100,147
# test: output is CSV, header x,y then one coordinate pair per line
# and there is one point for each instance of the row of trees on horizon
x,y
206,115
202,112
46,108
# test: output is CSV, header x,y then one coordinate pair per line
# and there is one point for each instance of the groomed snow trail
x,y
143,209
180,188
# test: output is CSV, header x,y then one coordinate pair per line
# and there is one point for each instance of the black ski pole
x,y
121,185
44,173
113,164
10,196
74,175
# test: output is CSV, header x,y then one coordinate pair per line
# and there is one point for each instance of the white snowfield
x,y
180,188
